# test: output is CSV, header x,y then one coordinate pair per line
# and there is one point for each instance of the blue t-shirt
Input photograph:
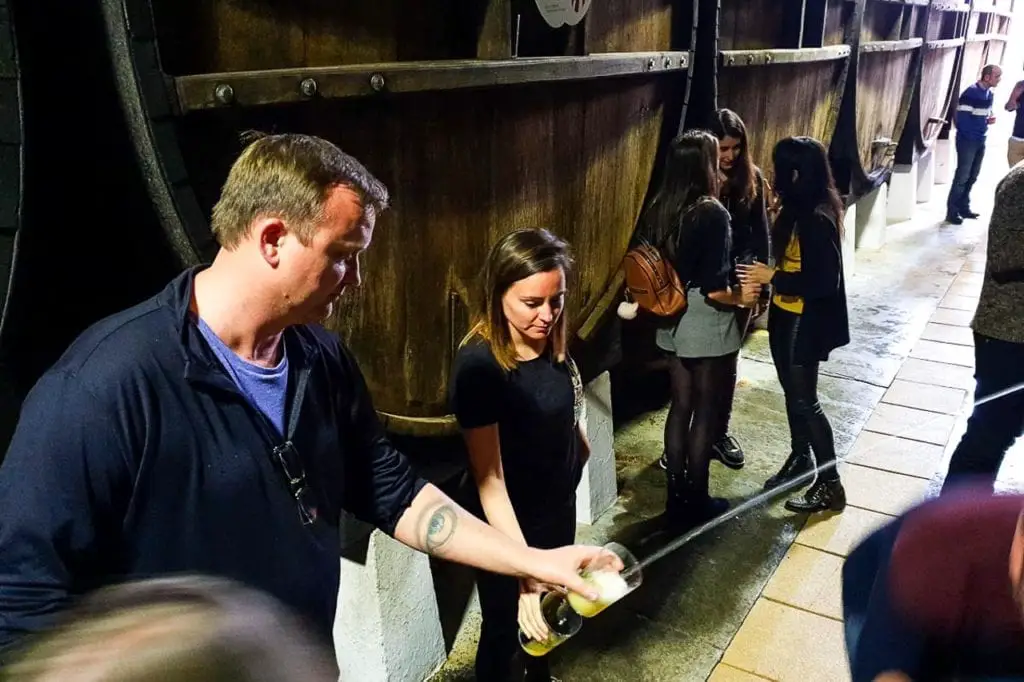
x,y
265,387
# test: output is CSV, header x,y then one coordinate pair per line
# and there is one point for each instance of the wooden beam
x,y
985,37
943,44
892,45
277,86
765,57
950,6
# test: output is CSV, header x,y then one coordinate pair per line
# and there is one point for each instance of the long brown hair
x,y
741,184
516,256
691,172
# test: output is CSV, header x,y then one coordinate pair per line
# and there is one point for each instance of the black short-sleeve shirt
x,y
533,406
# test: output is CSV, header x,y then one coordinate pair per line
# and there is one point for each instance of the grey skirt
x,y
705,330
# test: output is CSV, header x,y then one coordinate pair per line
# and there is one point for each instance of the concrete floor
x,y
758,597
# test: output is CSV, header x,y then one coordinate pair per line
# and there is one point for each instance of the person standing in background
x,y
1015,145
998,345
742,192
702,343
973,117
937,593
808,318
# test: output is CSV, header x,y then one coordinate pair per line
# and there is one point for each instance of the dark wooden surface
x,y
884,89
475,142
935,91
777,101
759,24
465,165
783,67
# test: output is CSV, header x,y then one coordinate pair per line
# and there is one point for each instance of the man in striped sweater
x,y
973,117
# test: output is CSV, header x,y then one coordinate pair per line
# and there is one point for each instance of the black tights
x,y
809,427
743,316
702,390
499,657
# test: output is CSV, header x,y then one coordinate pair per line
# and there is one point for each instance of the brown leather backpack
x,y
651,280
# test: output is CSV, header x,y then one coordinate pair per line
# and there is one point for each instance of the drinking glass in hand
x,y
610,584
562,621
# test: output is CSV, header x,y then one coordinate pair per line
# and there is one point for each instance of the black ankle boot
x,y
796,465
823,496
675,501
686,509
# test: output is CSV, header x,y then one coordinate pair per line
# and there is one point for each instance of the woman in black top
x,y
808,317
692,228
742,193
518,398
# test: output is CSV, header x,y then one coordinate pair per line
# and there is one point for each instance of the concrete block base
x,y
945,161
903,198
387,628
597,490
849,242
871,219
926,177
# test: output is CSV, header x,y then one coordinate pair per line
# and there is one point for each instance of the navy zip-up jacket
x,y
136,456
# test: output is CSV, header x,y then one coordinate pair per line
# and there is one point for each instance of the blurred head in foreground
x,y
196,629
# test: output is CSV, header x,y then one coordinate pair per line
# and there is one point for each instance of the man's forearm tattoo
x,y
440,527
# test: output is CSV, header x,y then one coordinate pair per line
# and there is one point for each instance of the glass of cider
x,y
562,621
608,582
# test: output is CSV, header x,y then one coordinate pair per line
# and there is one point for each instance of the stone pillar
x,y
903,188
926,177
388,628
871,219
597,490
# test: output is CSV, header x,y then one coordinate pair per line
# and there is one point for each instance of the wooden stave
x,y
191,239
68,273
12,176
12,157
766,121
885,37
940,63
903,67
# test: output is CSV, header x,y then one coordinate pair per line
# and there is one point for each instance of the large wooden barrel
x,y
887,39
987,35
998,20
976,49
11,180
11,155
946,22
481,118
781,66
78,239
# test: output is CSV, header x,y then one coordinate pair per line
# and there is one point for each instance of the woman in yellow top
x,y
808,317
